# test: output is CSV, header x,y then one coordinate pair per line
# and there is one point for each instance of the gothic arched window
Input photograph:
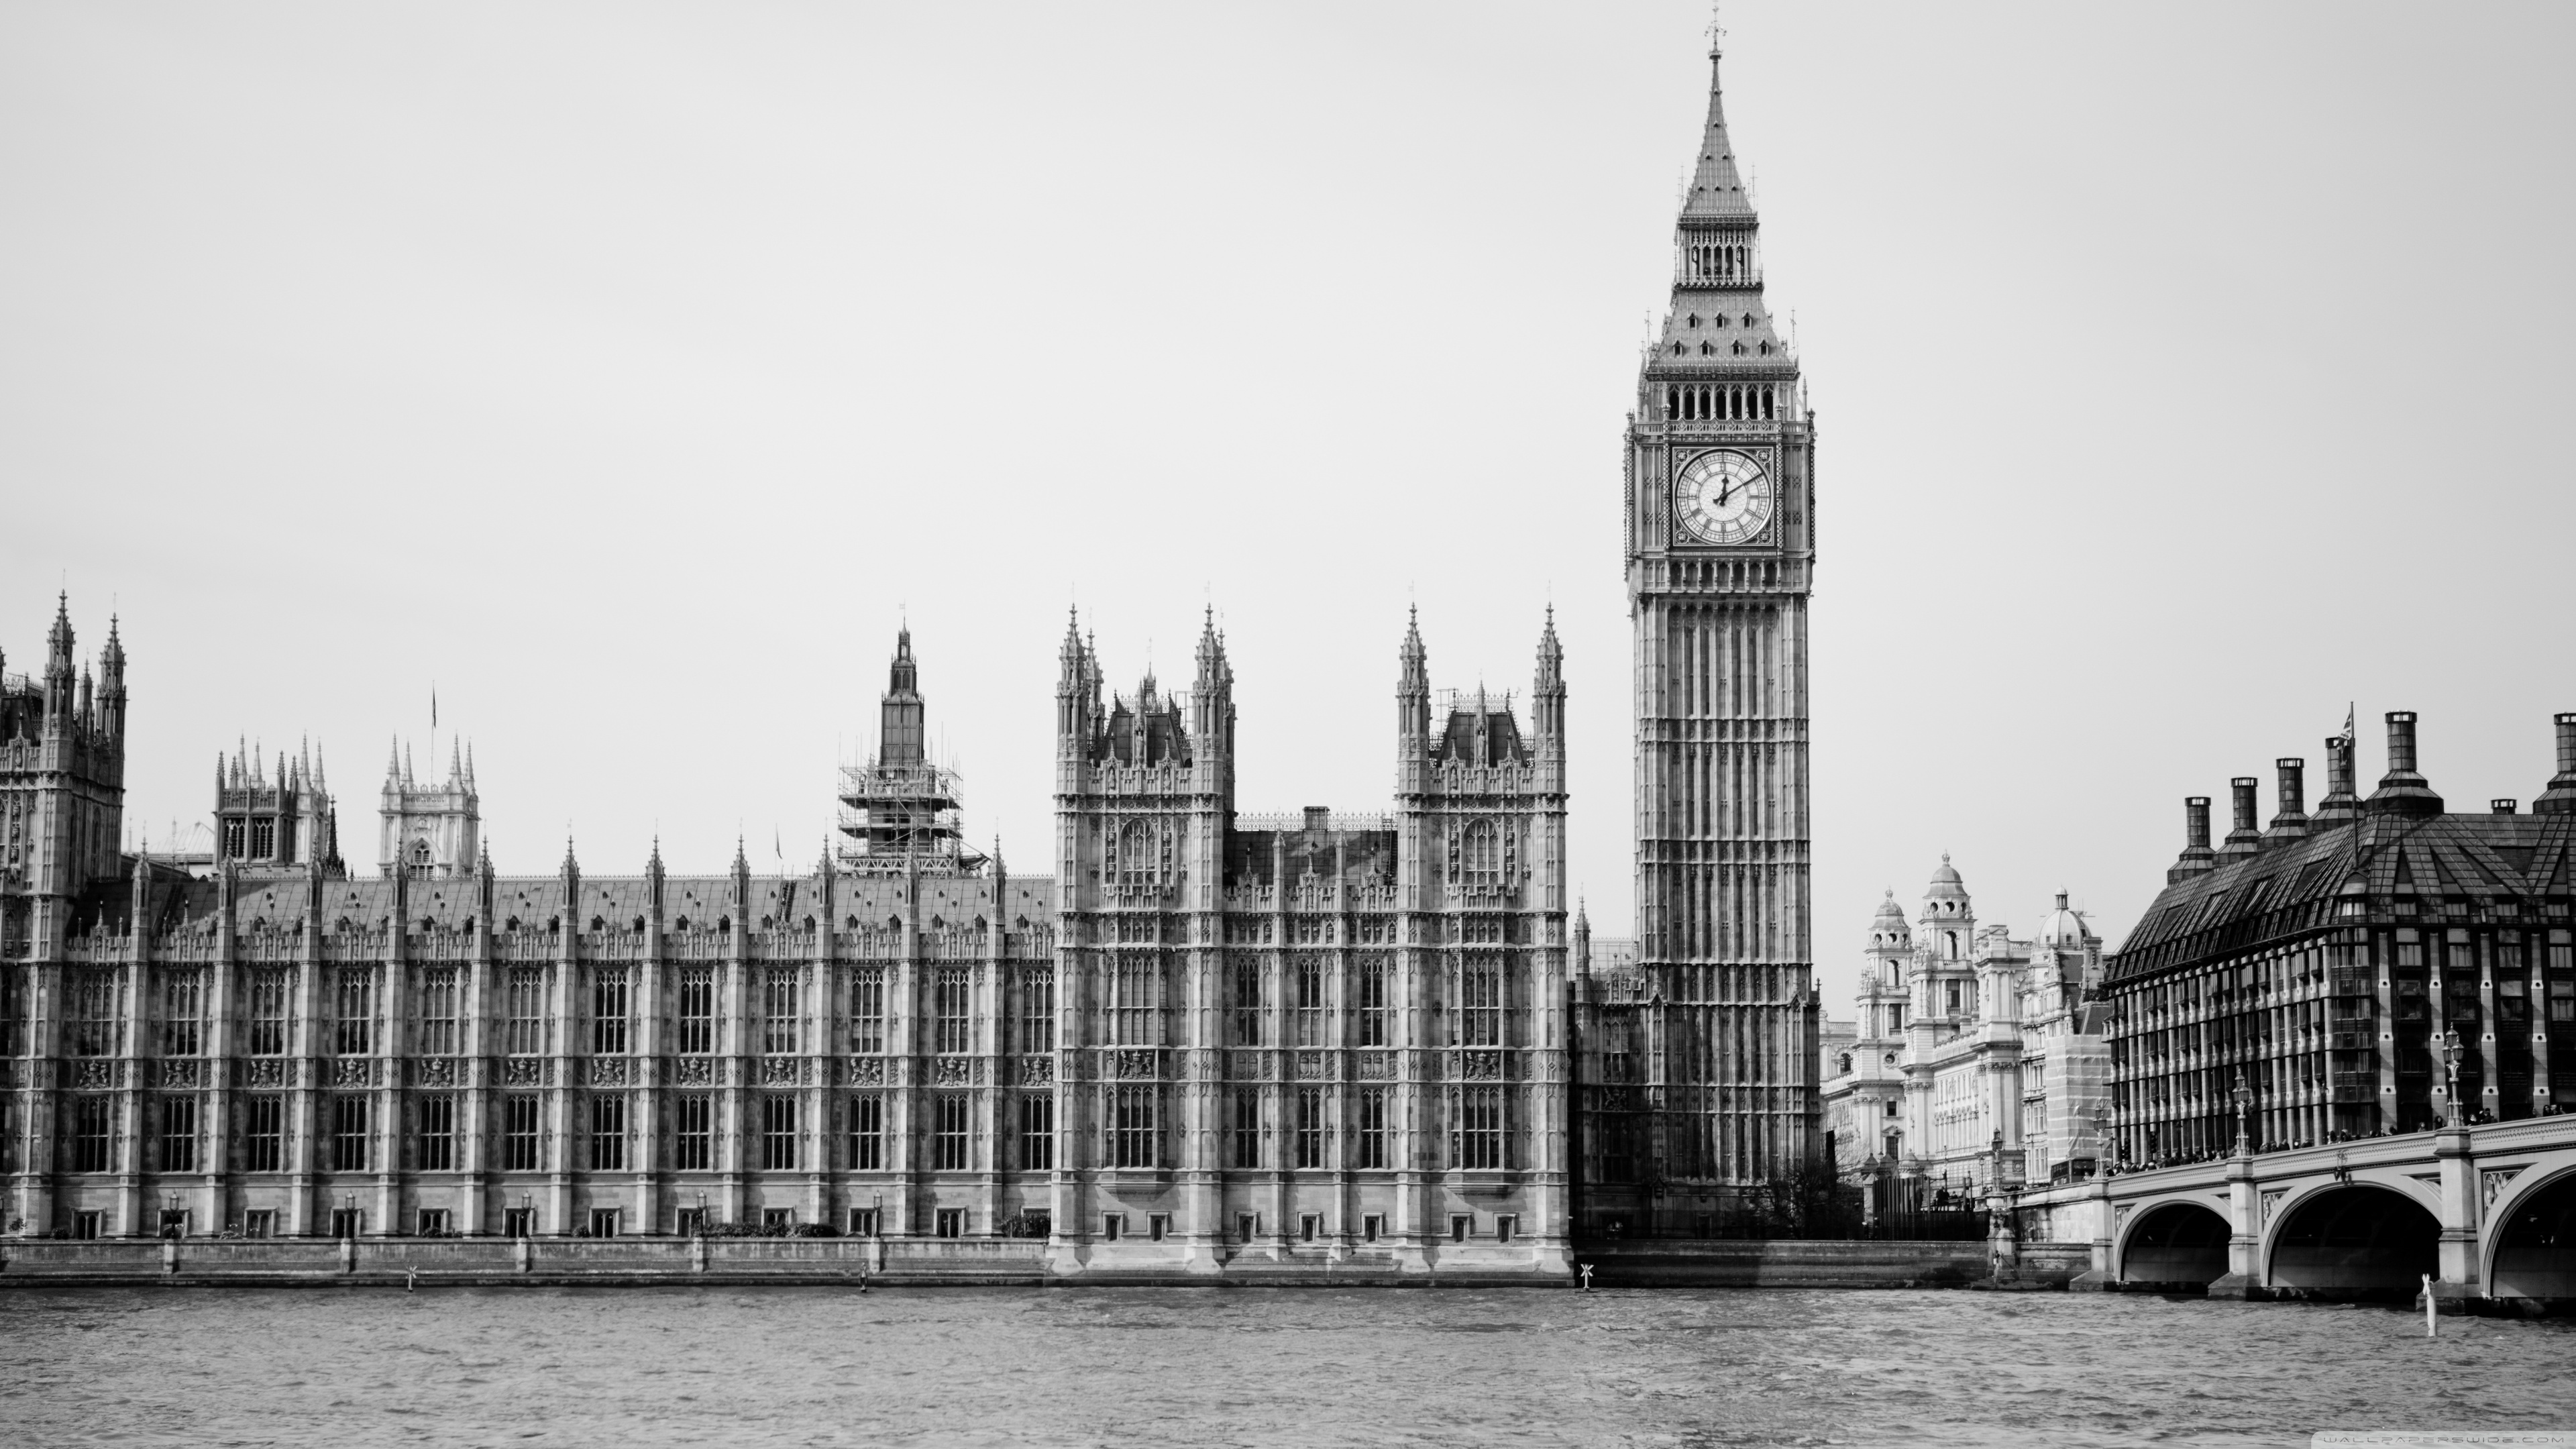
x,y
420,857
1139,854
1480,854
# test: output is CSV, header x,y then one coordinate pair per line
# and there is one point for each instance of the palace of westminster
x,y
1204,1038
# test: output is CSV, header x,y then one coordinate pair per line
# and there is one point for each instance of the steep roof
x,y
2388,861
1717,191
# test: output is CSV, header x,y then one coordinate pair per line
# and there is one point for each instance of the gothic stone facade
x,y
1312,1033
1279,1043
1701,1081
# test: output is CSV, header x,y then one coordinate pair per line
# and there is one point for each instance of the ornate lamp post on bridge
x,y
2244,1097
2451,1070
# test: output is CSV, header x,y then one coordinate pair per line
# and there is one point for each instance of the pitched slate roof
x,y
2296,888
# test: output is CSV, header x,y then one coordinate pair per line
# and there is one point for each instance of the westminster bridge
x,y
2487,1211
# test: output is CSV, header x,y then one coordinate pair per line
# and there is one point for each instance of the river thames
x,y
1135,1367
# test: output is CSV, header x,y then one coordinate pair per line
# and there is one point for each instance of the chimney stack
x,y
2196,855
2340,806
2402,791
2243,839
2560,797
2292,823
2501,806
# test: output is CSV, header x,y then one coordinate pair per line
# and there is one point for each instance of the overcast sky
x,y
628,372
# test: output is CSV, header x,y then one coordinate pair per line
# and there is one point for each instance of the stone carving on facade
x,y
183,1073
1482,1066
608,1071
523,1072
94,1074
1137,1065
1247,1066
867,1071
2272,1200
951,1072
353,1072
1376,1066
1311,1066
261,1072
2492,1182
434,1072
778,1071
1037,1071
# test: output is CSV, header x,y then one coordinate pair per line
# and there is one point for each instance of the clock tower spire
x,y
1720,551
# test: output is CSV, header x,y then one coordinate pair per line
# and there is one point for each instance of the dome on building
x,y
2063,929
1888,927
1945,896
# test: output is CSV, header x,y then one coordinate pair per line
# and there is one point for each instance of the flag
x,y
433,707
2347,723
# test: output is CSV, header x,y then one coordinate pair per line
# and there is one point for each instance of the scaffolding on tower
x,y
899,811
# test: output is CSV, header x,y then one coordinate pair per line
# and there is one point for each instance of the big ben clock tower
x,y
1720,518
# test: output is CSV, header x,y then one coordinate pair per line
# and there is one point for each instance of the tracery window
x,y
608,1133
183,1012
1480,1005
948,1132
1037,1132
1037,1010
780,1008
526,993
13,1015
264,1135
697,1010
92,1022
1140,857
1247,1000
693,1135
90,1132
1136,1002
519,1132
1312,1026
1310,1127
867,1133
1134,1126
1480,854
439,1001
178,1132
611,1000
349,1133
1371,1136
868,1011
434,1138
268,1011
1476,1127
1245,1129
1374,982
353,1016
778,1133
952,995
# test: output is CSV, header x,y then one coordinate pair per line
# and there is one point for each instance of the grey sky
x,y
629,371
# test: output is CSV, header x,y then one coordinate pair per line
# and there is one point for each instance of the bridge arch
x,y
2177,1243
2530,1236
2358,1239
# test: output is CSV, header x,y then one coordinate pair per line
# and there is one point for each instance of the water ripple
x,y
1138,1368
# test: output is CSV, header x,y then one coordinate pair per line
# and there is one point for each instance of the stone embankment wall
x,y
849,1261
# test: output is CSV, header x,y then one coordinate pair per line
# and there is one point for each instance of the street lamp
x,y
2451,1069
2101,1137
2244,1096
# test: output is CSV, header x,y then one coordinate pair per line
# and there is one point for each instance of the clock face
x,y
1723,497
